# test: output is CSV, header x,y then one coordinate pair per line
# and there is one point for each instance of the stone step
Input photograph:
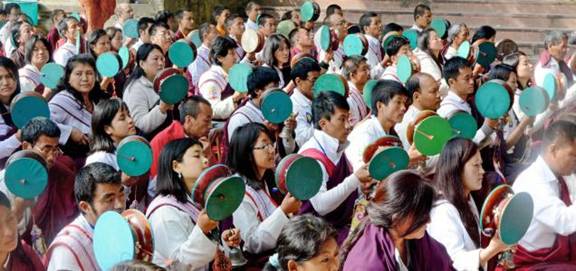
x,y
509,7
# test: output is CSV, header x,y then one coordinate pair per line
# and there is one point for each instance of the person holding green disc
x,y
302,42
428,53
425,96
37,55
304,73
357,72
332,60
458,173
213,84
160,35
149,112
458,74
457,34
55,206
389,101
69,28
264,211
371,25
397,47
339,191
98,189
422,17
182,230
260,82
99,43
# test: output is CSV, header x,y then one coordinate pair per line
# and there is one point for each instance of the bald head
x,y
425,91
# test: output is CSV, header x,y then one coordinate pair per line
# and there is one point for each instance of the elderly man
x,y
124,12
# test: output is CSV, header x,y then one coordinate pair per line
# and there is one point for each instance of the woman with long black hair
x,y
454,218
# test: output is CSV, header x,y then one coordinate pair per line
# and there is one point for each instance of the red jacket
x,y
174,131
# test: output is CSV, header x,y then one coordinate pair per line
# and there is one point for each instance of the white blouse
x,y
447,228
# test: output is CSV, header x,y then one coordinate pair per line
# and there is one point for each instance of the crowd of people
x,y
425,217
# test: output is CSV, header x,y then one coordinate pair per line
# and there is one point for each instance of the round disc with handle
x,y
276,106
130,28
431,134
181,54
534,101
492,100
223,197
238,77
463,125
51,74
329,82
26,106
26,177
113,240
134,156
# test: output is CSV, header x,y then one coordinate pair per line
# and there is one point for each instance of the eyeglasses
x,y
269,146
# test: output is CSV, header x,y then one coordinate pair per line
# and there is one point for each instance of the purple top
x,y
374,251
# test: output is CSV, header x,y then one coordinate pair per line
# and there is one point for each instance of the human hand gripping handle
x,y
290,204
205,223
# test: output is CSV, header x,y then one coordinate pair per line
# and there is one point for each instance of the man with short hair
x,y
97,189
21,32
425,94
422,17
167,18
220,14
14,12
69,30
160,35
304,73
357,72
302,42
124,12
389,101
371,26
550,239
397,47
252,11
235,28
144,25
266,25
195,122
332,61
55,207
53,36
202,63
185,24
552,59
458,74
338,193
260,82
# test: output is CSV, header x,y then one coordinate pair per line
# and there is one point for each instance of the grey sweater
x,y
143,103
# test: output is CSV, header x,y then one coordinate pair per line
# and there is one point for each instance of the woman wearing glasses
x,y
263,213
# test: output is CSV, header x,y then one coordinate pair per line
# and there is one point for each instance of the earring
x,y
180,175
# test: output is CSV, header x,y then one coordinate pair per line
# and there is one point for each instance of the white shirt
x,y
244,115
211,85
417,28
327,200
551,215
5,33
540,71
447,228
364,134
302,106
29,78
374,55
176,237
335,65
391,73
64,53
453,102
62,258
450,53
259,236
401,127
200,65
137,45
358,108
428,65
249,24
